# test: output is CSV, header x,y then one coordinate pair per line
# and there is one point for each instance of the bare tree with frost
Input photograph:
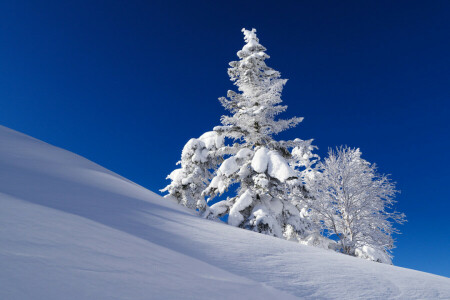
x,y
354,203
262,168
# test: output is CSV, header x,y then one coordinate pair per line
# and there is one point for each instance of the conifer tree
x,y
261,167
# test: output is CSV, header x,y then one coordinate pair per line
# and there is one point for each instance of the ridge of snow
x,y
70,229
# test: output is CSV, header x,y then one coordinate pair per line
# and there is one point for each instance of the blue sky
x,y
127,83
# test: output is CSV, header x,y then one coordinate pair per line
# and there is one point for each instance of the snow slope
x,y
70,229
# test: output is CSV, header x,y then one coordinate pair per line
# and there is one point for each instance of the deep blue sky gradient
x,y
127,83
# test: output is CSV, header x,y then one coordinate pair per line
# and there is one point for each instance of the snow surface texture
x,y
70,229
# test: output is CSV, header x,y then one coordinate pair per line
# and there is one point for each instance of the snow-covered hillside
x,y
70,229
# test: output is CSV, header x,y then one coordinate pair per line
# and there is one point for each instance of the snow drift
x,y
70,229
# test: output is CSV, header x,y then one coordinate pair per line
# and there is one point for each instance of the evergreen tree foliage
x,y
263,168
198,158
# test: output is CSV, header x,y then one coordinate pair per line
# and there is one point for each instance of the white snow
x,y
370,253
195,149
211,140
219,208
235,218
262,215
70,229
260,160
244,153
272,162
176,175
278,167
229,166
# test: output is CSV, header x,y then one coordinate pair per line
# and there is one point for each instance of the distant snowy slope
x,y
70,229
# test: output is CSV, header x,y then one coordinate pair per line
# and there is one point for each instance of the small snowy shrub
x,y
198,158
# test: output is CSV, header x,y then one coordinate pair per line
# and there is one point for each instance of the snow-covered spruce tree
x,y
198,159
262,168
354,203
